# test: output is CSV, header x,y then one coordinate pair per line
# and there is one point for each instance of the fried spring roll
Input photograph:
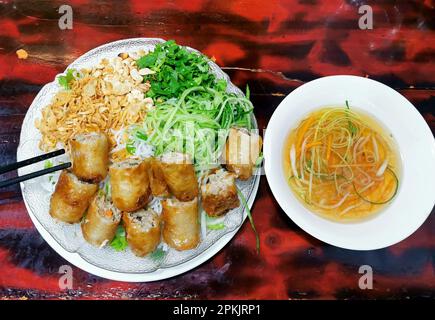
x,y
90,156
143,230
102,219
219,194
242,151
181,223
159,187
71,198
180,175
130,184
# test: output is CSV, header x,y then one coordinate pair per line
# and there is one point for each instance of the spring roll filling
x,y
129,163
219,182
144,219
107,210
176,157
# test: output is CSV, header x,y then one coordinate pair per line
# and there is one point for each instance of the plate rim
x,y
267,147
161,273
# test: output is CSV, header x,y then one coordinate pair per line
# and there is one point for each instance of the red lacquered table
x,y
274,46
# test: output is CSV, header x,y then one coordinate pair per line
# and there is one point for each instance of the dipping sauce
x,y
342,164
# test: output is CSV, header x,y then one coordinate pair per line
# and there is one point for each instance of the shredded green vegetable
x,y
197,123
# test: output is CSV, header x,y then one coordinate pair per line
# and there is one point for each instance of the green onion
x,y
353,130
380,202
131,149
218,226
259,160
251,219
142,136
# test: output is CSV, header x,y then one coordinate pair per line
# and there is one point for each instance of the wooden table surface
x,y
274,46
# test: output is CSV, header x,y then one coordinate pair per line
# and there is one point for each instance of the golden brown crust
x,y
181,180
142,242
181,224
90,158
96,229
71,198
219,204
130,186
159,187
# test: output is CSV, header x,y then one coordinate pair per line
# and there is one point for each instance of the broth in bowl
x,y
342,164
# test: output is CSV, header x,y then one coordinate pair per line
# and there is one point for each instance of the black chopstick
x,y
19,164
34,174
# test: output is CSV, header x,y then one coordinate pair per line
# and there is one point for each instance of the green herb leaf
x,y
65,80
158,254
177,69
48,164
119,243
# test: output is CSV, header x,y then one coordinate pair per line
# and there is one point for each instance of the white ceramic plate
x,y
416,195
67,239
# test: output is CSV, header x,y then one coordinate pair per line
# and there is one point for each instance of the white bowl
x,y
416,196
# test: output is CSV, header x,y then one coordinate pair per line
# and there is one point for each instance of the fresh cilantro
x,y
65,80
119,243
177,69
